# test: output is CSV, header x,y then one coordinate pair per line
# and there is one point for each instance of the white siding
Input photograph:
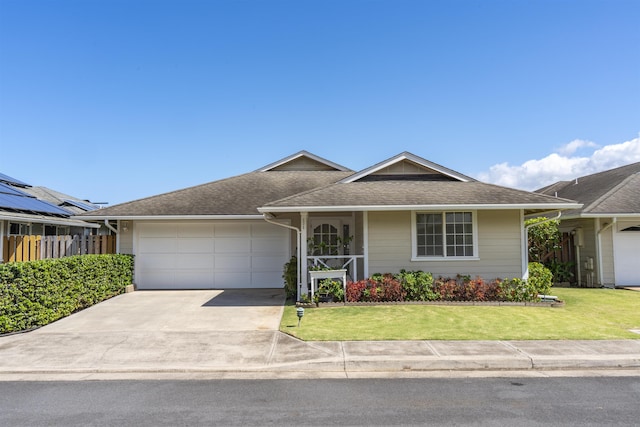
x,y
499,246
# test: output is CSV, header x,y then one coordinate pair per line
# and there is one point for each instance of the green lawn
x,y
590,314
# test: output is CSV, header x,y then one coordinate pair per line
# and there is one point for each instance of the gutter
x,y
526,241
548,207
73,222
166,217
271,220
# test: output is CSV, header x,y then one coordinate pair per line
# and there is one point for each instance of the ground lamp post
x,y
300,313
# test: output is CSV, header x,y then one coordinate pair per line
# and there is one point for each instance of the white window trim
x,y
414,240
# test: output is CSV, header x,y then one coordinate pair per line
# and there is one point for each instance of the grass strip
x,y
588,314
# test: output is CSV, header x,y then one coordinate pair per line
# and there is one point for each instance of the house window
x,y
18,229
444,235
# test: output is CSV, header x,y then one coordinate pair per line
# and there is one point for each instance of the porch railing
x,y
31,248
337,262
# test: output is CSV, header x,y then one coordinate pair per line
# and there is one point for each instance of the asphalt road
x,y
594,401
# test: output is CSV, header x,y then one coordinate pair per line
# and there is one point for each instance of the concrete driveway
x,y
153,331
207,310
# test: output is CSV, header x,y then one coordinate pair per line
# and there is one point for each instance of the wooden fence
x,y
31,248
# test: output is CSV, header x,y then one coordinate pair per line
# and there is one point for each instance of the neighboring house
x,y
402,213
27,210
606,229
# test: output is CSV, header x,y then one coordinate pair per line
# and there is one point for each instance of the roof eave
x,y
608,215
347,208
48,220
167,217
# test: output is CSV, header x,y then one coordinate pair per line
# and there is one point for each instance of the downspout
x,y
115,231
526,241
600,269
269,218
110,227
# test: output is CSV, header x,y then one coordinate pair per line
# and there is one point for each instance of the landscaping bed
x,y
420,286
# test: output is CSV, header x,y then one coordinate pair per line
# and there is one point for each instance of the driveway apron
x,y
153,330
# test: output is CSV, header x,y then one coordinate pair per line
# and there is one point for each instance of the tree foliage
x,y
543,238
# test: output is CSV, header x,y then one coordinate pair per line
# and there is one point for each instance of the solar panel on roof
x,y
13,181
6,189
81,205
21,203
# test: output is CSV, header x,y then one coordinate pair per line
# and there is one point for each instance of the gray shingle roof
x,y
615,191
295,184
239,195
412,193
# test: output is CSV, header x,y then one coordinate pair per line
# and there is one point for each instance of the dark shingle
x,y
411,193
239,195
612,191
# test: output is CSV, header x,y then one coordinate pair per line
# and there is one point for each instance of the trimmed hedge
x,y
36,293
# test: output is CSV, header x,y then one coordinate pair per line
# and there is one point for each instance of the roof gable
x,y
407,166
612,191
303,161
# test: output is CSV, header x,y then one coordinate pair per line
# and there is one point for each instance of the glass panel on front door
x,y
325,240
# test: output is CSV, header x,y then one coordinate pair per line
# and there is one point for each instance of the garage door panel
x,y
232,245
195,245
265,230
233,280
198,230
158,279
232,230
158,245
266,263
201,261
266,280
267,245
157,230
156,261
194,279
233,263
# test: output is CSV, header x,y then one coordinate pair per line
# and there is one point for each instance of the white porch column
x,y
524,244
302,280
365,243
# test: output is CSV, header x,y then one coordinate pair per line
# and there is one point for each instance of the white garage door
x,y
627,256
210,254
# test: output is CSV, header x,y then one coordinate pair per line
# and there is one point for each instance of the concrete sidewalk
x,y
272,354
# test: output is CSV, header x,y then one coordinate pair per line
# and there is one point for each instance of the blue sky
x,y
117,100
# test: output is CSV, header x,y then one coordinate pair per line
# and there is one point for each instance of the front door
x,y
330,236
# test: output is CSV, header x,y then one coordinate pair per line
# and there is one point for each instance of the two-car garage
x,y
209,254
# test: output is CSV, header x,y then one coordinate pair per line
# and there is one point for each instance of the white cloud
x,y
574,146
563,165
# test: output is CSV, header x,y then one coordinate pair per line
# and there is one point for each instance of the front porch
x,y
326,241
334,242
